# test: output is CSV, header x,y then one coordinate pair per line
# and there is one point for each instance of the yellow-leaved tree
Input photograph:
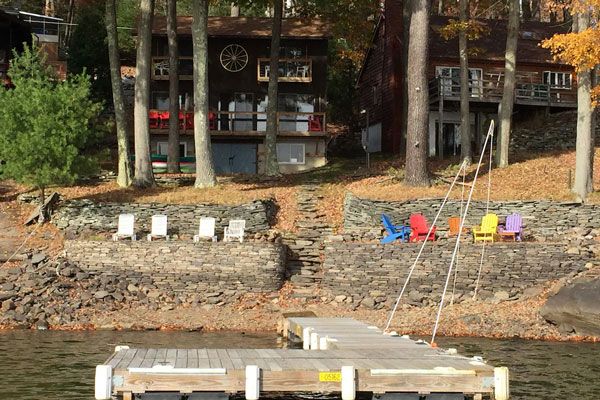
x,y
581,49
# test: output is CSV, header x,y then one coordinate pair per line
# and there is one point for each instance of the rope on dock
x,y
487,209
462,223
412,268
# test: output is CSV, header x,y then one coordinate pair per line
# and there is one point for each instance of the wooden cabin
x,y
238,74
13,33
543,85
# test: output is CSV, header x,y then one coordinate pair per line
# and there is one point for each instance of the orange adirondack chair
x,y
419,229
454,225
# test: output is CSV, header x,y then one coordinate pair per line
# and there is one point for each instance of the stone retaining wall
x,y
556,132
78,216
378,271
542,219
201,269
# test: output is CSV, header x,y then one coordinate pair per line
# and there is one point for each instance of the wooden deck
x,y
346,356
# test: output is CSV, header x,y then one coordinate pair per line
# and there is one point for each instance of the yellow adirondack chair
x,y
487,230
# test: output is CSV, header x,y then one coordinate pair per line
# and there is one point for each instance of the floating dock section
x,y
339,356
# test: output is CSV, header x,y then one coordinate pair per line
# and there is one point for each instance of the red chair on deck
x,y
189,120
211,121
164,119
154,119
314,124
419,229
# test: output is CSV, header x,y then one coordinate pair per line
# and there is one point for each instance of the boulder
x,y
575,306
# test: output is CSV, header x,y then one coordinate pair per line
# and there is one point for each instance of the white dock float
x,y
355,358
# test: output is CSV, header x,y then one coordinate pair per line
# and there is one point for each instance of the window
x,y
290,153
375,95
450,80
558,80
162,148
160,101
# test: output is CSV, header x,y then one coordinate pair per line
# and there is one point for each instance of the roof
x,y
249,27
531,33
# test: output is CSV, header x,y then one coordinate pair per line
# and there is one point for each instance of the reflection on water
x,y
60,365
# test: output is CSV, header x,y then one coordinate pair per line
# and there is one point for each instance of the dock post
x,y
323,345
103,382
306,338
314,341
501,388
348,383
252,382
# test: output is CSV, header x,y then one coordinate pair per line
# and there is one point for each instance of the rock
x,y
340,298
532,291
7,305
41,325
38,258
7,286
7,295
501,295
576,305
153,294
101,294
86,296
368,302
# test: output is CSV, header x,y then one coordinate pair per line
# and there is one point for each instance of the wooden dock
x,y
339,355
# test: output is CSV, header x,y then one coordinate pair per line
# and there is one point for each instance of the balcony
x,y
490,91
161,67
245,123
290,69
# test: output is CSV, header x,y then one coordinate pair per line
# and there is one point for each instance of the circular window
x,y
234,58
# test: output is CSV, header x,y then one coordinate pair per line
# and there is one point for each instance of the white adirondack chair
x,y
235,230
125,227
159,227
206,229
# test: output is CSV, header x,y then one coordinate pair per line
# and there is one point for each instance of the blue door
x,y
234,158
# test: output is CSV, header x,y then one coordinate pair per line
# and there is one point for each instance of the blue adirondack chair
x,y
513,226
394,231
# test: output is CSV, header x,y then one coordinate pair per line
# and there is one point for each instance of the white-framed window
x,y
558,80
290,153
162,148
450,80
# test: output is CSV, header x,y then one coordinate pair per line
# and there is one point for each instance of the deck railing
x,y
250,122
491,91
161,68
290,69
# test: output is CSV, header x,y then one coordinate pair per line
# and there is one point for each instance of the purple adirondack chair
x,y
514,223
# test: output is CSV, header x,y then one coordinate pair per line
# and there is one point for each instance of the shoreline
x,y
483,319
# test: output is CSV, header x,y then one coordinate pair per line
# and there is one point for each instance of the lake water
x,y
60,365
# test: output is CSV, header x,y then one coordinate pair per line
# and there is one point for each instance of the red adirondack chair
x,y
419,229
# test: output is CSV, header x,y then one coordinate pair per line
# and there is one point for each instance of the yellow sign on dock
x,y
330,376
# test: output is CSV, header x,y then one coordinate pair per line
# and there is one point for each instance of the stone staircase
x,y
305,255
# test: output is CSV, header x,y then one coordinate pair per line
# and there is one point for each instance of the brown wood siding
x,y
245,81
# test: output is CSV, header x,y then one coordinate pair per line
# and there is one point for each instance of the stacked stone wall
x,y
378,271
79,216
200,269
542,219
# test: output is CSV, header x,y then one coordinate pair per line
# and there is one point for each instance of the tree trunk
x,y
583,184
69,27
506,106
173,166
205,172
440,7
271,165
124,169
406,40
465,123
526,10
535,10
235,10
418,96
42,217
144,177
